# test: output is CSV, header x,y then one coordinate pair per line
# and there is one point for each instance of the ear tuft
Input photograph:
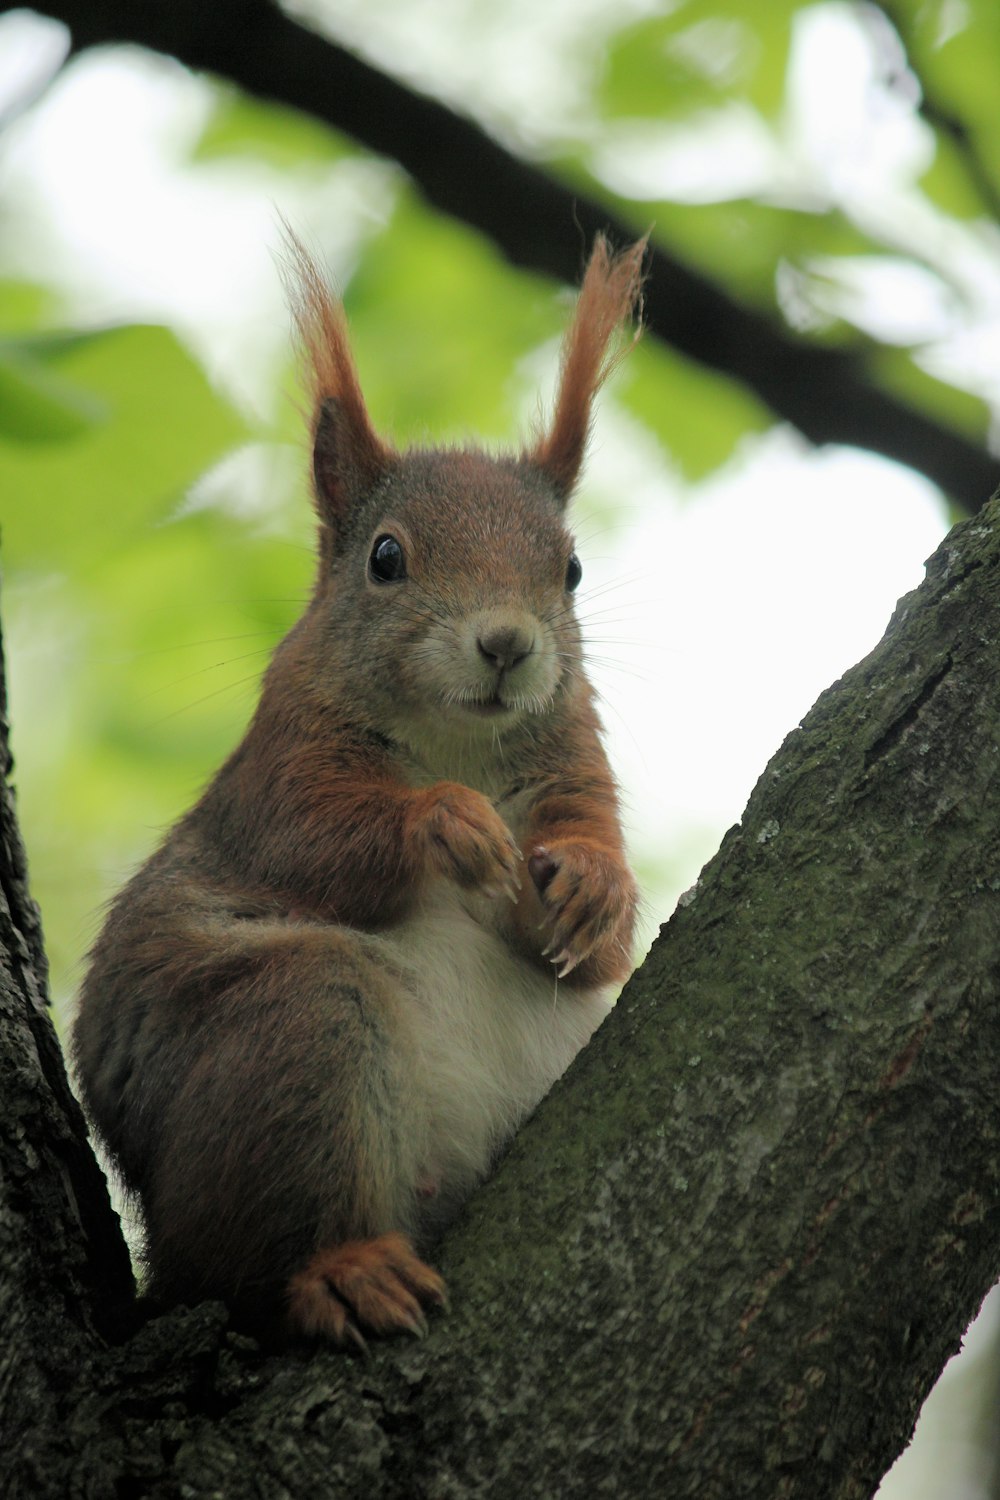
x,y
609,295
349,456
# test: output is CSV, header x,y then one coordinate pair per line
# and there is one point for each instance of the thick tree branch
x,y
733,1250
828,394
734,1247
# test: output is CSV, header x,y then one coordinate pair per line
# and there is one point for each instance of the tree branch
x,y
64,1268
734,1247
538,223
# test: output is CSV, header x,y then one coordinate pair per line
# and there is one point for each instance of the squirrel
x,y
317,1014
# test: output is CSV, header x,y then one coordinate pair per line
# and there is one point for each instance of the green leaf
x,y
25,306
439,327
132,677
671,65
957,62
38,407
699,416
164,425
955,53
948,183
772,25
643,77
267,133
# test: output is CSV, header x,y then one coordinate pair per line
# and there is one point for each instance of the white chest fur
x,y
488,1034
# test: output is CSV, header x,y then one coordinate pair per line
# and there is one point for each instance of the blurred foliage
x,y
440,324
245,128
112,426
667,66
115,595
140,606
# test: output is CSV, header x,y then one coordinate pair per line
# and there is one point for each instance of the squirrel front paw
x,y
590,899
467,840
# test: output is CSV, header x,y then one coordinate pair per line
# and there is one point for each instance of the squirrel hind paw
x,y
380,1285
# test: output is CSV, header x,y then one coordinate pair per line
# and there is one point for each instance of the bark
x,y
830,395
734,1247
64,1272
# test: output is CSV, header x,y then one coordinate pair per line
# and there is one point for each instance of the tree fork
x,y
734,1247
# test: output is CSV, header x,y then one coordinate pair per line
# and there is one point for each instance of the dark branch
x,y
827,394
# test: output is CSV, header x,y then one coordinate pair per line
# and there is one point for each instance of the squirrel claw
x,y
417,1325
566,962
351,1333
508,888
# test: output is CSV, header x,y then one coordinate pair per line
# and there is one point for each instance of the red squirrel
x,y
319,1011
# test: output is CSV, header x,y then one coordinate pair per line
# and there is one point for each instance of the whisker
x,y
214,666
219,640
197,702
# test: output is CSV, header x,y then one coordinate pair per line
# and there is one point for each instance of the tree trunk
x,y
64,1269
734,1247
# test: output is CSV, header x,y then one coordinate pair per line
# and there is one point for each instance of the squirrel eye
x,y
387,563
574,572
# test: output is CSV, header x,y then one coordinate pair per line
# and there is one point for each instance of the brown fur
x,y
318,1011
608,295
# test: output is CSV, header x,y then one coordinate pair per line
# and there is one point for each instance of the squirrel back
x,y
320,1009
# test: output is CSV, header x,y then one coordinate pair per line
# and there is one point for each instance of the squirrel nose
x,y
505,646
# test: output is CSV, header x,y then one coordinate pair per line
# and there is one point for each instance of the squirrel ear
x,y
609,294
349,457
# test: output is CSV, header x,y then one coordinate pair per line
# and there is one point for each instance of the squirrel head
x,y
446,576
